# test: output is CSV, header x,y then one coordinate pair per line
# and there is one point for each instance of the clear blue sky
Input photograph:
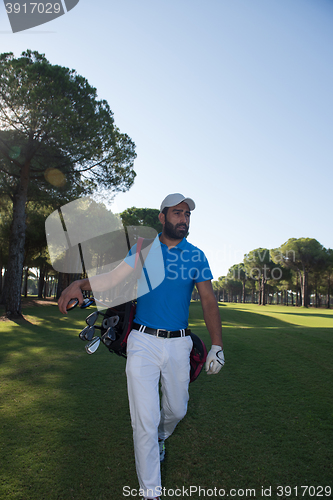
x,y
229,102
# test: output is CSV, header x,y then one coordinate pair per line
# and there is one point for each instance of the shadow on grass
x,y
309,312
241,318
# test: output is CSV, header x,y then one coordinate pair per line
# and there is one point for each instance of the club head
x,y
72,304
87,302
109,336
91,319
93,345
82,334
87,333
111,321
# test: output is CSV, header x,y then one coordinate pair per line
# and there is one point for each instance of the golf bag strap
x,y
138,250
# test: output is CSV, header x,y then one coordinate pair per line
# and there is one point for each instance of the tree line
x,y
290,274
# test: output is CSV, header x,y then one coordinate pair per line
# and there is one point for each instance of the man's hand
x,y
100,283
73,291
215,360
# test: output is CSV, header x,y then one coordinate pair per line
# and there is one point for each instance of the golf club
x,y
87,334
88,301
110,321
93,345
109,336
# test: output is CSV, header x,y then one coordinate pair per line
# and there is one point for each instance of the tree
x,y
216,288
5,206
328,274
316,276
259,267
282,287
222,281
35,250
57,141
323,275
219,287
301,255
238,273
233,287
141,217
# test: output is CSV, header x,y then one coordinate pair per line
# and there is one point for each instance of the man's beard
x,y
174,232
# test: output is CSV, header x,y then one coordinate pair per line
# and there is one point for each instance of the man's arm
x,y
100,283
211,312
215,357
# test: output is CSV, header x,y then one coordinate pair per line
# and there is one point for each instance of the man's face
x,y
177,221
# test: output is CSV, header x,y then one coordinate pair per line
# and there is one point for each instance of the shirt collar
x,y
181,245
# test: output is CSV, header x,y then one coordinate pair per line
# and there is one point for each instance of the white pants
x,y
150,360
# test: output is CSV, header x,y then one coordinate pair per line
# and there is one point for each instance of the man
x,y
159,346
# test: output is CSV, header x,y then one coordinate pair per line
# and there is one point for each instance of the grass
x,y
265,420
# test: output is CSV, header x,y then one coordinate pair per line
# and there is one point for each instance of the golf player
x,y
159,345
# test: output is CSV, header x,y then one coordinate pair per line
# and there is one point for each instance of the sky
x,y
229,102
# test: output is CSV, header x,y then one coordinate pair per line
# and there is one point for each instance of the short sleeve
x,y
130,257
203,270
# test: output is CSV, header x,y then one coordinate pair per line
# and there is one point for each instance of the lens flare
x,y
55,177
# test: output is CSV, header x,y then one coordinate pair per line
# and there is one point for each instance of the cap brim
x,y
190,203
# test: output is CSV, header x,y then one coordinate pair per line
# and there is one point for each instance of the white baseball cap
x,y
174,199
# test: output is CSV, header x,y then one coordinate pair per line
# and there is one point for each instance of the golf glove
x,y
215,360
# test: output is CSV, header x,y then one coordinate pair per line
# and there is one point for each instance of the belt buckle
x,y
167,336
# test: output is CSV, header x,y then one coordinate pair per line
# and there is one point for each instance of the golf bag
x,y
197,357
124,312
121,331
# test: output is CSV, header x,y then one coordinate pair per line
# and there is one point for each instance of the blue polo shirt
x,y
167,304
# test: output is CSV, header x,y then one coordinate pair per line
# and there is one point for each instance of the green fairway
x,y
264,421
